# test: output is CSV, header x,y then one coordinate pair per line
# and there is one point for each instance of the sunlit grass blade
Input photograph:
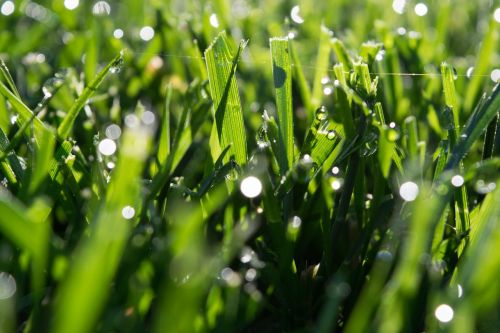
x,y
24,112
83,293
475,126
7,77
228,114
282,74
64,129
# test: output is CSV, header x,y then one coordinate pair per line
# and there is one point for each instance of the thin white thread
x,y
187,57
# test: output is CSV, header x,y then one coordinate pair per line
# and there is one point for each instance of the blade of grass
x,y
282,74
82,295
6,75
64,129
221,68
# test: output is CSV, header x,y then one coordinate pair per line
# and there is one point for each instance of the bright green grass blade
x,y
42,160
82,295
221,67
341,53
24,112
282,74
322,62
6,75
483,62
386,146
64,129
29,230
164,145
450,95
475,126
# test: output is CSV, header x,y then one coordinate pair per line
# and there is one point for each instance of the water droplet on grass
x,y
469,72
496,15
7,8
409,191
107,147
51,86
232,278
214,21
331,135
101,8
251,187
71,4
444,313
457,180
399,6
8,285
421,9
148,118
296,222
118,33
335,170
113,132
128,212
295,15
251,274
495,75
147,33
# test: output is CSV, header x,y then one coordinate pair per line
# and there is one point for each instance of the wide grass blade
x,y
221,67
83,293
282,74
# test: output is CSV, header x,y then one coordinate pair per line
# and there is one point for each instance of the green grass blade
x,y
6,75
282,72
64,129
475,126
450,95
221,67
83,293
24,112
164,145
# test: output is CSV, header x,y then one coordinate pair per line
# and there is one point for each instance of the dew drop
x,y
457,180
327,91
460,291
110,165
335,170
495,75
321,113
380,55
295,15
401,31
421,9
214,21
336,183
444,313
147,33
107,147
296,222
51,85
71,4
399,6
496,15
7,8
251,187
118,33
148,118
113,132
469,72
232,278
7,286
409,191
331,135
101,8
131,121
128,212
250,274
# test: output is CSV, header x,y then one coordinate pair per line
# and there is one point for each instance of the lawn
x,y
249,166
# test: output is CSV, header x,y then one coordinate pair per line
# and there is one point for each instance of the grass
x,y
252,166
